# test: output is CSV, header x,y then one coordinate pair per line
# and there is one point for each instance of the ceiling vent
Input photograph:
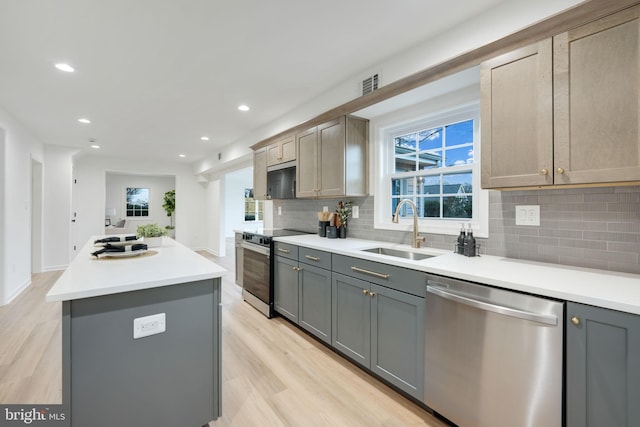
x,y
370,84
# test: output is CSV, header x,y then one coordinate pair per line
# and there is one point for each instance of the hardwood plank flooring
x,y
273,373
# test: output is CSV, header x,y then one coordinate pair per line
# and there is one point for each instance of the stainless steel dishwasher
x,y
492,357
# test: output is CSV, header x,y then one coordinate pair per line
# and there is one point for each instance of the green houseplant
x,y
343,211
169,206
151,234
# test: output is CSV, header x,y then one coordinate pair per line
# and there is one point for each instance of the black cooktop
x,y
264,236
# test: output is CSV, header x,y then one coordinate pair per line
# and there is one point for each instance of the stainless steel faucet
x,y
416,239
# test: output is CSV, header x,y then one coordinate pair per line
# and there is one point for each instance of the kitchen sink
x,y
415,256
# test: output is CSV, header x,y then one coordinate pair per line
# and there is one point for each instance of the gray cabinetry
x,y
381,329
239,258
602,366
302,290
285,292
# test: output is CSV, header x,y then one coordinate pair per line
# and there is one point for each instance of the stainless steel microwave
x,y
281,181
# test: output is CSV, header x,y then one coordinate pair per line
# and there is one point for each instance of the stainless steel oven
x,y
257,267
256,272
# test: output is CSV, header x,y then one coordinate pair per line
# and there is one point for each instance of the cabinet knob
x,y
544,172
575,320
365,291
560,170
372,294
297,269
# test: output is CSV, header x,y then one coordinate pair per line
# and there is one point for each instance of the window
x,y
434,169
427,154
137,202
253,209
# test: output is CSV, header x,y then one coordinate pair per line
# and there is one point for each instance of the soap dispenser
x,y
469,242
460,244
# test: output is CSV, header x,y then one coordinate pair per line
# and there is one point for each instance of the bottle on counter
x,y
460,244
469,242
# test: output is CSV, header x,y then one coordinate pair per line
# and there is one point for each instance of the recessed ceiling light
x,y
204,138
243,108
64,67
182,155
83,120
95,146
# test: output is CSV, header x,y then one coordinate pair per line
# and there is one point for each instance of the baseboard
x,y
54,268
209,251
16,293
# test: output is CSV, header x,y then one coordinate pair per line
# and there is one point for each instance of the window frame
x,y
451,108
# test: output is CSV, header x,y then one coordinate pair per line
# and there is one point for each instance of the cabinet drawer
x,y
315,257
286,250
398,278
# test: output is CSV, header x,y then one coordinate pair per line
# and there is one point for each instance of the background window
x,y
253,209
137,202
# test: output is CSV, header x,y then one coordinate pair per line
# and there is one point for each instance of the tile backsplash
x,y
588,227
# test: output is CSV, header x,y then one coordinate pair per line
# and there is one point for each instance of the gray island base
x,y
166,379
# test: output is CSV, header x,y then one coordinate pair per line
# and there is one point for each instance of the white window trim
x,y
462,104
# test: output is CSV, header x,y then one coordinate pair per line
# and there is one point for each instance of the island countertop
x,y
170,264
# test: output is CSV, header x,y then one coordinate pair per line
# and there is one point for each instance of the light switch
x,y
279,210
355,212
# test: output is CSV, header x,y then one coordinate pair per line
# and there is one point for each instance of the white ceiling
x,y
156,75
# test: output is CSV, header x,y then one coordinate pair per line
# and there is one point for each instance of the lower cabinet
x,y
302,294
381,329
602,367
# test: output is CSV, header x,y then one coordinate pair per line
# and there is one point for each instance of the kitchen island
x,y
141,338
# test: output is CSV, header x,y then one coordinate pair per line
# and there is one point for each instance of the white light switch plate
x,y
149,325
528,215
279,210
355,211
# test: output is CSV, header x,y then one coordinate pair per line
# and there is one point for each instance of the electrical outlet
x,y
149,325
325,209
355,212
528,215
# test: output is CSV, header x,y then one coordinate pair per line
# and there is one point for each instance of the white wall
x,y
90,195
115,197
215,217
17,149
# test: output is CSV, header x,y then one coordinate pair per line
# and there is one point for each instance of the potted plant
x,y
151,234
342,217
169,206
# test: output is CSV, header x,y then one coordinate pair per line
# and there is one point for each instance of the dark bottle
x,y
469,243
460,244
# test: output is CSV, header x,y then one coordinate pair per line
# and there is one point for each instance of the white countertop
x,y
172,263
617,291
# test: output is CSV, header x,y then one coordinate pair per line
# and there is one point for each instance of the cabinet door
x,y
603,367
260,174
285,288
307,168
517,118
315,301
239,258
288,148
274,155
331,139
596,90
397,339
351,318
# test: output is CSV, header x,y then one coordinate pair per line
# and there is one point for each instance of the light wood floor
x,y
273,374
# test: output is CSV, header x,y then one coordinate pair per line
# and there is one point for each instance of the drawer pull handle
x,y
370,273
284,251
312,258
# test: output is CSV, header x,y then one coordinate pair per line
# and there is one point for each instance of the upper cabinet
x,y
332,159
281,151
565,111
260,174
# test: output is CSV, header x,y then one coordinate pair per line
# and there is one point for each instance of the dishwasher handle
x,y
546,319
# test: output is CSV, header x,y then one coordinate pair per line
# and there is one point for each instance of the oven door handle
x,y
264,250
